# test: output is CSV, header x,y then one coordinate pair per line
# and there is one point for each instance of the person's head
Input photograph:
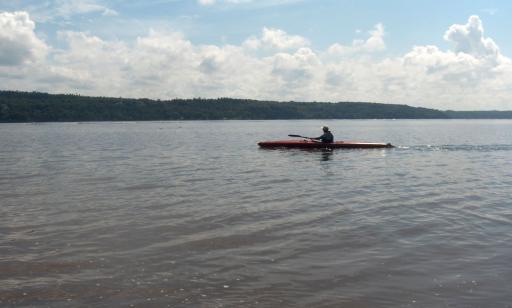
x,y
325,128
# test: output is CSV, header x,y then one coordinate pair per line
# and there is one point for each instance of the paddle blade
x,y
298,136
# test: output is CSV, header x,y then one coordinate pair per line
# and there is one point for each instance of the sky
x,y
428,53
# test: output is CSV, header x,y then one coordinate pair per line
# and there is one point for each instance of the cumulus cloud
x,y
276,39
475,74
274,65
469,39
295,68
375,42
18,42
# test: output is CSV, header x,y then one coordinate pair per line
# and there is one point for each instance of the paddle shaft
x,y
299,136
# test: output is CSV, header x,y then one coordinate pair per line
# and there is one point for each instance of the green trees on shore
x,y
42,107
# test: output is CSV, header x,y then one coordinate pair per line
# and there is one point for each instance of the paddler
x,y
327,136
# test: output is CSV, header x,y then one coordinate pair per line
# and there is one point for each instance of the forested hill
x,y
479,114
42,107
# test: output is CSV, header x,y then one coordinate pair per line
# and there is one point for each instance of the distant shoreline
x,y
28,107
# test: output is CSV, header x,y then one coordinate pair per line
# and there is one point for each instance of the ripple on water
x,y
103,215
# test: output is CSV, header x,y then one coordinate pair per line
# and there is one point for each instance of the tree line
x,y
18,106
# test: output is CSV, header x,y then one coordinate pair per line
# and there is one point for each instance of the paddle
x,y
299,136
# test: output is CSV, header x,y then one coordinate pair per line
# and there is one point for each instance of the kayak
x,y
309,144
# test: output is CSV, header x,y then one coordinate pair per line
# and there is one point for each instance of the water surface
x,y
194,214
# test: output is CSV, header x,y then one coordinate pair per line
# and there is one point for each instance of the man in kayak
x,y
327,136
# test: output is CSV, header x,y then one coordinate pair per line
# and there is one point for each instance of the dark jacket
x,y
327,137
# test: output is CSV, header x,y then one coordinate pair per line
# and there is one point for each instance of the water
x,y
194,214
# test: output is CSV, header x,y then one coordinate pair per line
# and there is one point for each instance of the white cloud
x,y
376,40
18,42
374,43
469,39
295,68
276,39
274,65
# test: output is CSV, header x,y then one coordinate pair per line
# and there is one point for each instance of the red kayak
x,y
310,144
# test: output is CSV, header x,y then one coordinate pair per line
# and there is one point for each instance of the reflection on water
x,y
327,155
135,214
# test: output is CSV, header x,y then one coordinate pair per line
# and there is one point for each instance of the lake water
x,y
194,214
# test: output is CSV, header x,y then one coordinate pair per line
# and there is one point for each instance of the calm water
x,y
194,214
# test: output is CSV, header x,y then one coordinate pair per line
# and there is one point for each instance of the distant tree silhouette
x,y
42,107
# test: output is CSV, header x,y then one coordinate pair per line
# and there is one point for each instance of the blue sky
x,y
440,54
325,22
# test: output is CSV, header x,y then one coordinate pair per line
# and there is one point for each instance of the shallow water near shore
x,y
194,214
